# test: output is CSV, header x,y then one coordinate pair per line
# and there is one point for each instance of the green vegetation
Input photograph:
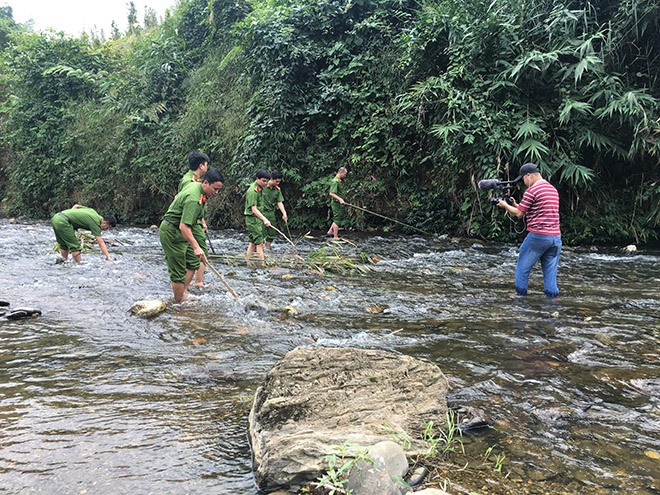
x,y
419,100
340,466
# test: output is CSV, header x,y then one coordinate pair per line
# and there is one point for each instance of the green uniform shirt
x,y
337,187
253,197
84,218
188,205
189,177
271,196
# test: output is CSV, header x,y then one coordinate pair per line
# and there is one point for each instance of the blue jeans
x,y
537,247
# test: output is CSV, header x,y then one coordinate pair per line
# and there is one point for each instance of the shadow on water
x,y
92,398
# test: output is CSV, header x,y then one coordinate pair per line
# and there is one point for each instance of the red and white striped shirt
x,y
540,203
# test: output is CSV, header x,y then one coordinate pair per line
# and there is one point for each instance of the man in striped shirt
x,y
540,206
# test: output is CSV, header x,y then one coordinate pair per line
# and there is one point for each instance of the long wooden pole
x,y
208,238
387,218
206,262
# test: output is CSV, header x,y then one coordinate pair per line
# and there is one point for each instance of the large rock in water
x,y
316,399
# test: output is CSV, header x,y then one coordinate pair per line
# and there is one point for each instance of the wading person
x,y
337,203
272,198
182,251
540,206
198,164
254,218
66,222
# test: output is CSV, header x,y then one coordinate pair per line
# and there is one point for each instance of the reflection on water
x,y
92,398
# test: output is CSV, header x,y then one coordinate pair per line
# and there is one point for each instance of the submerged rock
x,y
316,399
148,307
18,313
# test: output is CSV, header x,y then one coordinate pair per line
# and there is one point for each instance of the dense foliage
x,y
419,100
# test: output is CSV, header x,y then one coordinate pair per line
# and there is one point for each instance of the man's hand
x,y
341,201
267,222
199,252
285,218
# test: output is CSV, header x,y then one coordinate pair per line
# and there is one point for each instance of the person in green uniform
x,y
182,251
198,164
66,222
272,198
337,205
254,218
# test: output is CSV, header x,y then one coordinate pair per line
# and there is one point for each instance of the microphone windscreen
x,y
488,184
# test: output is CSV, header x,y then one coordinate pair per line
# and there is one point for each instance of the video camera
x,y
501,189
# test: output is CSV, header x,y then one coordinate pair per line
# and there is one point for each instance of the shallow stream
x,y
93,398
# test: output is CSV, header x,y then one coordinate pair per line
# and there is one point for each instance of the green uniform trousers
x,y
179,254
65,235
255,228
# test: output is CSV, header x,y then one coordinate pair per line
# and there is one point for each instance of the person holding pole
x,y
198,164
254,216
273,197
182,251
540,204
66,222
338,203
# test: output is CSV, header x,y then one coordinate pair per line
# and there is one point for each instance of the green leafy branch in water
x,y
336,257
340,466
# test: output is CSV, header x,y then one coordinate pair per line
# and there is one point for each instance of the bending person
x,y
66,222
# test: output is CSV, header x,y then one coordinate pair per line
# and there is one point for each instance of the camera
x,y
502,189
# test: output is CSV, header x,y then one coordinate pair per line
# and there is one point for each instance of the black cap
x,y
527,168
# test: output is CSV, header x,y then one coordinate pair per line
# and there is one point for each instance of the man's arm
x,y
204,226
188,236
260,216
333,195
103,247
511,208
280,205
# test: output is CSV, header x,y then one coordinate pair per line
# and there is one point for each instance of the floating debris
x,y
374,309
148,307
18,313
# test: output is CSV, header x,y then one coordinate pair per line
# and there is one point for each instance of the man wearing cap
x,y
66,222
182,251
540,206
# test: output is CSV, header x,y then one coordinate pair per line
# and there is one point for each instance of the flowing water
x,y
95,400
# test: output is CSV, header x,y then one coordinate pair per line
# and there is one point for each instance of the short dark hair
x,y
276,174
263,174
110,220
196,158
213,175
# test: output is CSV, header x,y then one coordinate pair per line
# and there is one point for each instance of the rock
x,y
471,418
148,307
4,303
417,476
381,474
18,313
316,399
631,248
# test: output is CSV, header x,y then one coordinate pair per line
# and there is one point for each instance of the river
x,y
96,400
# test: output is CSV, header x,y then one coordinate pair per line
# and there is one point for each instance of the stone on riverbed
x,y
18,313
148,307
316,399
